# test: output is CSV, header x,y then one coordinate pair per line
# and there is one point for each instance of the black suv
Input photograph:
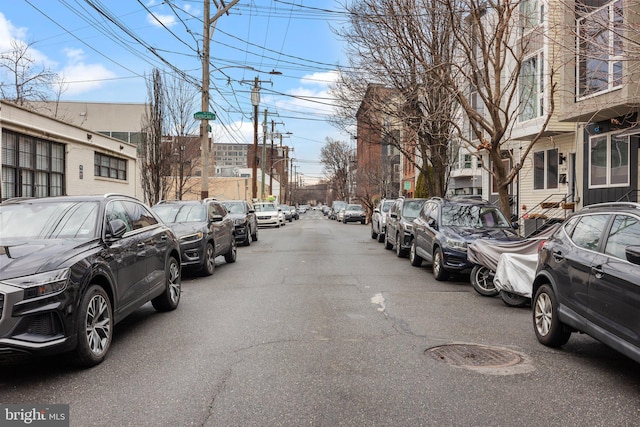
x,y
244,219
445,227
72,267
204,230
587,279
399,226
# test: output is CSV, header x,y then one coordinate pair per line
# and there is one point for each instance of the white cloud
x,y
166,20
320,79
79,77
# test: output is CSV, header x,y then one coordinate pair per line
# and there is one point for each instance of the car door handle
x,y
140,245
557,256
597,271
163,237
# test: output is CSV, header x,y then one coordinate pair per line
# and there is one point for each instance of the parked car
x,y
444,228
288,214
587,279
72,267
340,214
354,213
399,225
335,208
268,214
244,219
379,219
294,213
204,230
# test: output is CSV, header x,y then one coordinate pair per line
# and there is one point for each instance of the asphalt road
x,y
317,324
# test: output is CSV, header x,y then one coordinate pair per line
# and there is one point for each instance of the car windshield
x,y
172,212
234,207
473,216
411,208
264,207
49,220
354,208
387,205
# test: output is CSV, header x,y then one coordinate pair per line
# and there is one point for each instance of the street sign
x,y
204,115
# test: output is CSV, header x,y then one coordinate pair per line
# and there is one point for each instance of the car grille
x,y
264,217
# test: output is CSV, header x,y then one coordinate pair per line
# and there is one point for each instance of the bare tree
x,y
404,45
486,81
185,150
24,80
335,156
154,154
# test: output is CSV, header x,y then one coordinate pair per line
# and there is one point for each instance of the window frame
x,y
613,56
608,168
548,158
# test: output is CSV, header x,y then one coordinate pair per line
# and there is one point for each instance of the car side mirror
x,y
252,211
515,225
216,218
116,229
633,254
432,223
393,215
376,210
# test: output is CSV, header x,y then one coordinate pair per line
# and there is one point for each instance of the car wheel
x,y
482,281
364,221
169,299
247,241
95,327
439,272
374,235
230,256
380,235
549,330
209,264
400,253
254,236
387,244
414,258
513,300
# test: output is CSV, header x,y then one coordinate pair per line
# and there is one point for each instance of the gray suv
x,y
587,279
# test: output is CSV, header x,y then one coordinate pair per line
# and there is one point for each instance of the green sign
x,y
407,185
204,115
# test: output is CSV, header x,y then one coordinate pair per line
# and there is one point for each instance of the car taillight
x,y
541,244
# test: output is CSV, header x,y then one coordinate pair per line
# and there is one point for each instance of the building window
x,y
545,169
468,161
600,48
110,167
31,167
531,88
531,14
608,161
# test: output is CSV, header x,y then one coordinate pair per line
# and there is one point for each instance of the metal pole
x,y
264,152
273,125
254,176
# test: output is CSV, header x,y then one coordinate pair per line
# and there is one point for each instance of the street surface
x,y
317,324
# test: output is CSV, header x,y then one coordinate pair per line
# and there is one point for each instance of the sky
x,y
105,50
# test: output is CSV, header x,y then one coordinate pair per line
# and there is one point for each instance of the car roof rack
x,y
632,205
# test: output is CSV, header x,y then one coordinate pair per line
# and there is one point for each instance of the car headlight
x,y
240,221
189,238
457,245
37,285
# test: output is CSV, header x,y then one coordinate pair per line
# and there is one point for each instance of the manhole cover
x,y
473,355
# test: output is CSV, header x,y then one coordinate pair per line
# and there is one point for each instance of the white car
x,y
268,214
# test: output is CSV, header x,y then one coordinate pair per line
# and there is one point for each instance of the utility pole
x,y
204,124
264,152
